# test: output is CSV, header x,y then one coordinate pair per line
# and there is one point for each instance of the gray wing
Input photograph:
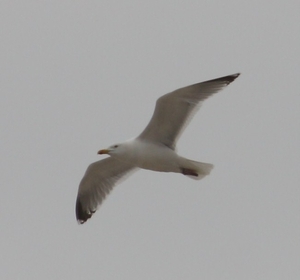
x,y
99,179
174,110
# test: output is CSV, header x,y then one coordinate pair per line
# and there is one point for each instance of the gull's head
x,y
111,150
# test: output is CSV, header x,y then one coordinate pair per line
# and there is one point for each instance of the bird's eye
x,y
115,146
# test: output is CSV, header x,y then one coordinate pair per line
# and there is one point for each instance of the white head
x,y
116,149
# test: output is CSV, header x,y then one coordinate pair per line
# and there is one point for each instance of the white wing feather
x,y
99,179
173,111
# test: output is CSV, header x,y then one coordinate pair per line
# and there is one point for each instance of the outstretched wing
x,y
99,179
174,110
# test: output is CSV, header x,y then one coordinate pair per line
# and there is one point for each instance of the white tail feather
x,y
200,168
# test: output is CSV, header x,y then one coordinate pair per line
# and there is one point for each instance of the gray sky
x,y
77,76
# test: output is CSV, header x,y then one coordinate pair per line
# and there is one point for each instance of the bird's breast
x,y
154,157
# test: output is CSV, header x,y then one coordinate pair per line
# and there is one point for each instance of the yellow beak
x,y
102,152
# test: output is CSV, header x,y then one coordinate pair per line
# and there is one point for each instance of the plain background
x,y
77,76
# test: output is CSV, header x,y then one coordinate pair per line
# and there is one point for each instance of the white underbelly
x,y
159,159
150,156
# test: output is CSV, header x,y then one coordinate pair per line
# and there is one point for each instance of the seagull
x,y
153,149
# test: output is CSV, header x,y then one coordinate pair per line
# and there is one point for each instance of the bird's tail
x,y
194,169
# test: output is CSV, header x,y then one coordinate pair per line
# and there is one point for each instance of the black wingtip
x,y
81,215
231,78
227,79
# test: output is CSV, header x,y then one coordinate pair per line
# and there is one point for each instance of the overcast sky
x,y
78,76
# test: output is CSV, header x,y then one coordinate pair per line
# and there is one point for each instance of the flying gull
x,y
153,149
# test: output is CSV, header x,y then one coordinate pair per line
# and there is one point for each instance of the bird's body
x,y
156,157
148,155
153,149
